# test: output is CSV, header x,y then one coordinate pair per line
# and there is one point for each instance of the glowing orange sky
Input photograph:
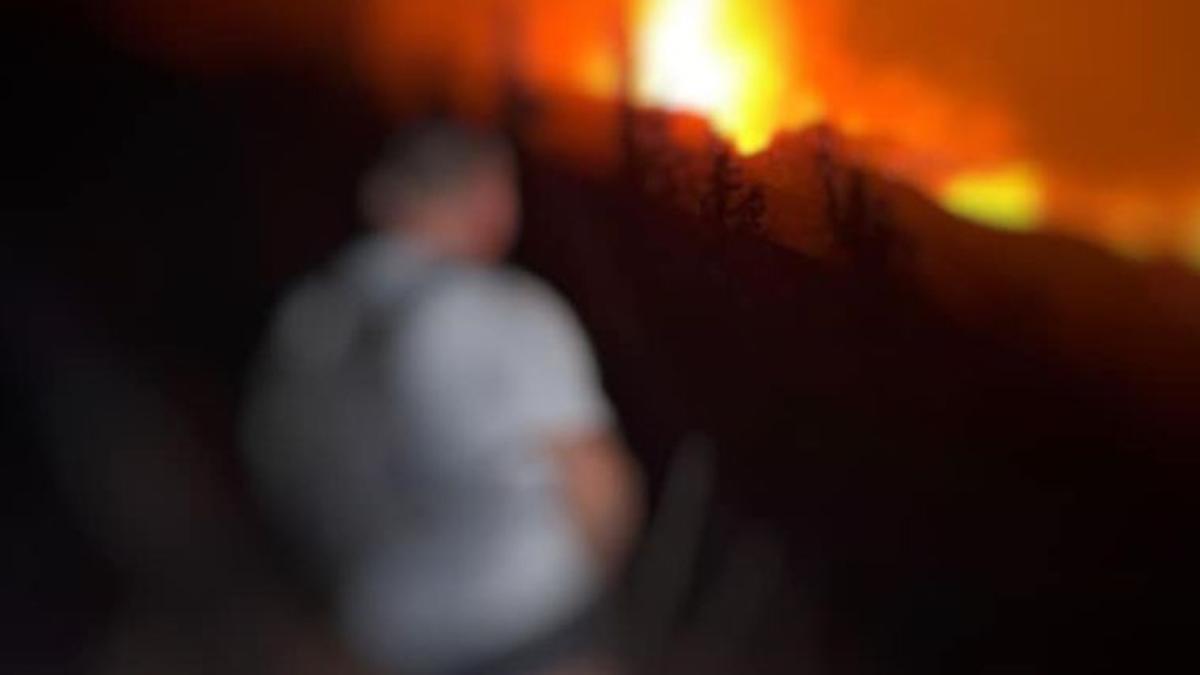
x,y
1099,94
1092,102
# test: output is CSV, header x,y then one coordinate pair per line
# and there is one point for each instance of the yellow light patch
x,y
1008,199
723,59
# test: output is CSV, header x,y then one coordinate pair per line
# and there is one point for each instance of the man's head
x,y
452,188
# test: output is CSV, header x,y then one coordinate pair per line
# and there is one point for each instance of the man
x,y
428,429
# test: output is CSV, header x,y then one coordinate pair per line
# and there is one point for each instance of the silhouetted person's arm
x,y
603,490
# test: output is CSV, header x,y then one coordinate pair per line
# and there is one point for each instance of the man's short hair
x,y
426,159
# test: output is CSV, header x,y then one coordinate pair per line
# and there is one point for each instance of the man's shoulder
x,y
491,304
528,284
492,291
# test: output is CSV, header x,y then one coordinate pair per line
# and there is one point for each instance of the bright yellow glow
x,y
720,58
1009,198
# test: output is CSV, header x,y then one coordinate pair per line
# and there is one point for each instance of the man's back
x,y
395,430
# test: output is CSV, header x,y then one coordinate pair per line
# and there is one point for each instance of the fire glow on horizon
x,y
723,59
1081,119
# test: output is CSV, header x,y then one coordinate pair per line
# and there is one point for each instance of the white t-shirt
x,y
396,429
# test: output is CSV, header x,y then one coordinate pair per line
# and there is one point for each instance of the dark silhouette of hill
x,y
976,445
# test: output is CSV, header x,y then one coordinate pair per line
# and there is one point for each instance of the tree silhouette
x,y
729,203
749,212
859,221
